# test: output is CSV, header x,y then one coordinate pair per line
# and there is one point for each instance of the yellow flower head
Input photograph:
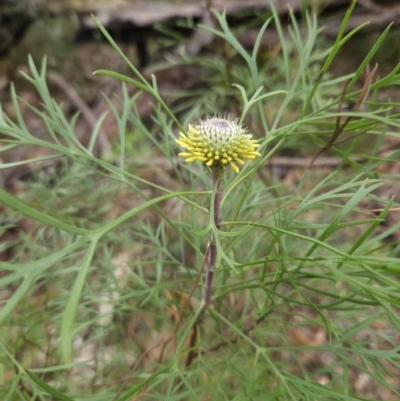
x,y
218,141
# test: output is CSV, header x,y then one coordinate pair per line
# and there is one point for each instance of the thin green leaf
x,y
14,203
47,388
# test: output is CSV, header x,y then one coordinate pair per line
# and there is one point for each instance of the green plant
x,y
288,262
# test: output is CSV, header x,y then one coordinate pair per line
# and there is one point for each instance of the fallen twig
x,y
103,145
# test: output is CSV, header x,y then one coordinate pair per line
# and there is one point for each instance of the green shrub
x,y
105,298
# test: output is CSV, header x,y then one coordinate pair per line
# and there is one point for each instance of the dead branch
x,y
103,145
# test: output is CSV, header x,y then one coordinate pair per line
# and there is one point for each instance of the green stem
x,y
212,248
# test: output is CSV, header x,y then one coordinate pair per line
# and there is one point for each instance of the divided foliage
x,y
306,293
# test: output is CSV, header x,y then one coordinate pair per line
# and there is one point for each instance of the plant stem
x,y
211,259
212,248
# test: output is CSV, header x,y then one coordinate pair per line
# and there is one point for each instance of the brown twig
x,y
87,114
360,101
